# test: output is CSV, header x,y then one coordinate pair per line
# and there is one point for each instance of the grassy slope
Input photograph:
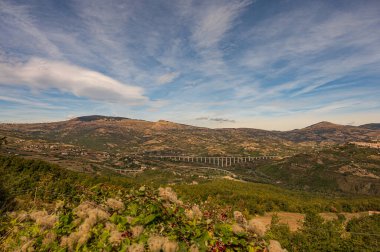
x,y
319,171
20,176
257,198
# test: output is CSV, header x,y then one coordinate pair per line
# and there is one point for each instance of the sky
x,y
269,64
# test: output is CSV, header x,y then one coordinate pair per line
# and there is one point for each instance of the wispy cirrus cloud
x,y
29,102
313,50
167,78
212,24
247,60
16,23
215,20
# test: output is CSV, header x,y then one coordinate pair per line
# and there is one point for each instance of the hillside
x,y
329,132
372,126
345,168
117,134
309,158
47,208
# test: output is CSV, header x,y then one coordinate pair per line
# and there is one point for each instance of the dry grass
x,y
90,214
237,229
239,218
43,219
160,243
136,248
169,195
137,231
115,204
275,246
257,227
194,213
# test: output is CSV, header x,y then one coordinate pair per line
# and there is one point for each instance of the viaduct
x,y
217,161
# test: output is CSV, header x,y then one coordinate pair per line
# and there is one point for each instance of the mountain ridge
x,y
94,118
98,118
138,136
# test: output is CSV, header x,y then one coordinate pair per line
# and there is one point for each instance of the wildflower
x,y
194,213
137,231
20,216
90,215
130,219
137,247
155,243
239,218
197,212
82,209
237,229
65,242
169,195
110,226
193,248
115,205
28,246
275,246
43,219
189,214
256,227
49,238
170,246
159,243
115,238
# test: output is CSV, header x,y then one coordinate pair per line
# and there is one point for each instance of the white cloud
x,y
215,21
315,50
40,74
19,24
167,78
28,102
212,22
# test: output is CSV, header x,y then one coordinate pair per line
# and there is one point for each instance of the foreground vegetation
x,y
46,208
69,211
257,198
316,234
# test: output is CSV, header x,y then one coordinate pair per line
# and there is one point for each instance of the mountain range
x,y
137,136
318,157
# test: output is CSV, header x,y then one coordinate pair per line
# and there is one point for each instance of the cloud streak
x,y
167,78
220,120
41,74
247,60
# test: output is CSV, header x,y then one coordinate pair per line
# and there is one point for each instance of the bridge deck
x,y
218,161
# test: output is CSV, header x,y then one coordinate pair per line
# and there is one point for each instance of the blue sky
x,y
260,64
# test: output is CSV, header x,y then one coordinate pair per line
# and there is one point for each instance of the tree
x,y
3,141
